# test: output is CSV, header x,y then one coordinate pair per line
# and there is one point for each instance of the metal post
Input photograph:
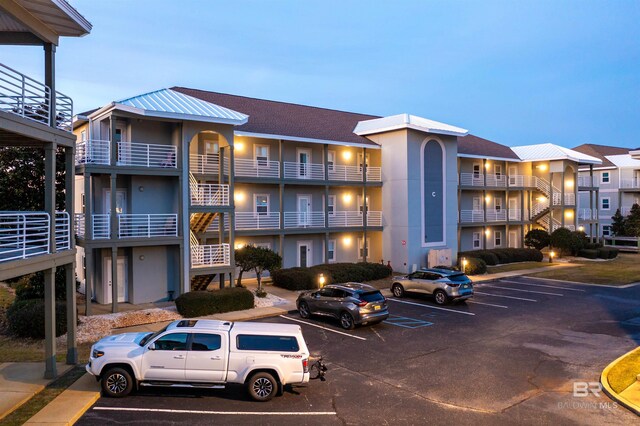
x,y
232,215
50,80
72,346
114,279
562,177
50,371
50,192
365,247
113,217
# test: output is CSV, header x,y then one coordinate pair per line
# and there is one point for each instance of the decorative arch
x,y
433,195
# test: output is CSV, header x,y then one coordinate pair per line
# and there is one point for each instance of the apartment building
x,y
192,175
34,114
618,178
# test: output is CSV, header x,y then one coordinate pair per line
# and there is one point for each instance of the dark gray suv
x,y
351,303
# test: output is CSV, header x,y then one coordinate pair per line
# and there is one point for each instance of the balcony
x,y
303,170
254,221
341,172
471,179
257,168
130,225
497,180
493,215
93,152
522,181
26,234
630,183
340,219
588,182
586,214
206,194
303,220
471,216
28,98
212,255
569,199
147,155
206,164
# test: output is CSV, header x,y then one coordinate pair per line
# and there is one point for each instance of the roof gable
x,y
549,151
407,121
474,146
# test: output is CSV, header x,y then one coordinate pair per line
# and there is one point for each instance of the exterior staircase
x,y
201,282
540,211
199,222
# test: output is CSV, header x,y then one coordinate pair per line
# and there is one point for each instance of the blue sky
x,y
515,72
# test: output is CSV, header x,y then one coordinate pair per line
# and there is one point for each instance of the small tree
x,y
567,242
618,224
257,259
632,222
244,261
537,238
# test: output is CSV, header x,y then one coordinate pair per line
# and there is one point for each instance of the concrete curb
x,y
587,284
604,381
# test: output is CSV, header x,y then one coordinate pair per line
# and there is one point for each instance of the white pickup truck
x,y
203,354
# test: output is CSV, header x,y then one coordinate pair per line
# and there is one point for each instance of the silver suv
x,y
351,303
445,285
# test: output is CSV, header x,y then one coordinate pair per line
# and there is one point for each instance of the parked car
x,y
351,303
203,354
444,284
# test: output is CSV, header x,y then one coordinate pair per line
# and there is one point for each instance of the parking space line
x,y
542,285
488,304
506,297
407,322
324,328
431,307
226,413
526,291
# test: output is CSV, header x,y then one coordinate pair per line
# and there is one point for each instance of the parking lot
x,y
510,354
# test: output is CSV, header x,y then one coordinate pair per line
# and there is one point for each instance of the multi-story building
x,y
34,114
618,178
191,175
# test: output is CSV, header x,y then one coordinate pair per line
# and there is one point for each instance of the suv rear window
x,y
372,296
458,277
249,342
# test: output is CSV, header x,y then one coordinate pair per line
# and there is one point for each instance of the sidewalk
x,y
629,397
508,274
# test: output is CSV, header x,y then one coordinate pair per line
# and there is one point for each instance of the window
x,y
606,203
331,160
261,204
83,136
497,168
363,251
360,206
206,342
497,202
605,177
497,238
331,251
172,342
261,154
476,170
248,342
83,203
360,162
476,240
606,230
331,205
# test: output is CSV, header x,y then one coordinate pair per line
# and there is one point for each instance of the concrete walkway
x,y
496,276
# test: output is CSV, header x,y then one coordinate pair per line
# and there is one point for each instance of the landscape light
x,y
552,254
464,264
581,228
321,280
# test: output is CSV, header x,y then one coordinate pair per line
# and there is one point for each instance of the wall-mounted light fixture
x,y
141,257
141,188
239,197
346,155
542,167
347,198
347,241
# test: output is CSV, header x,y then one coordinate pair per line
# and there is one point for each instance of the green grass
x,y
6,296
624,373
622,270
517,266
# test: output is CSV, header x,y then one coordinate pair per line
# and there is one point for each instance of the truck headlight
x,y
97,354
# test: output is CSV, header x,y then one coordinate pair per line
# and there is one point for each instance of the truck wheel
x,y
117,383
262,386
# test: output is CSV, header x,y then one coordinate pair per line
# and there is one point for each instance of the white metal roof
x,y
549,151
406,121
167,103
623,160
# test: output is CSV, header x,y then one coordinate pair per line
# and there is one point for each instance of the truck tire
x,y
262,386
116,382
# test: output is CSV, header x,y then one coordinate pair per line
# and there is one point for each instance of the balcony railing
x,y
494,215
93,152
499,181
518,214
210,255
374,218
26,234
257,168
587,181
630,183
205,164
147,155
345,173
303,171
345,218
471,216
147,225
585,214
254,220
205,194
569,199
214,226
303,220
522,181
374,174
471,179
31,99
63,231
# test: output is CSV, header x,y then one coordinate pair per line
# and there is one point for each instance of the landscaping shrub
x,y
450,268
307,278
201,303
588,253
488,256
294,279
568,242
25,318
505,255
592,245
537,238
607,252
32,286
475,266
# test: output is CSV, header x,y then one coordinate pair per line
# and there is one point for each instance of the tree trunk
x,y
239,283
259,278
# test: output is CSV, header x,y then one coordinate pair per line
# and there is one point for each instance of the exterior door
x,y
304,163
206,361
304,254
121,201
477,204
513,239
513,209
167,361
513,171
123,288
304,210
124,149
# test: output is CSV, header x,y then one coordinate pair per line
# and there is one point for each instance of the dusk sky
x,y
515,72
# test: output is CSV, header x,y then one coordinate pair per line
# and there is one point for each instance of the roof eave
x,y
83,25
173,116
515,160
407,126
303,139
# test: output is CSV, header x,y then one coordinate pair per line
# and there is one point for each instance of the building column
x,y
281,198
50,370
114,279
179,290
113,155
88,278
551,202
50,79
50,192
562,221
365,206
232,215
72,324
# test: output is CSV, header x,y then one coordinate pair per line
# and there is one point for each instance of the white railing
x,y
374,218
100,226
303,170
345,218
497,180
23,235
214,226
471,216
587,182
494,215
63,231
624,211
539,207
517,214
630,183
31,99
341,172
585,214
210,255
206,194
569,199
254,220
205,164
523,181
257,168
147,225
78,220
93,152
471,179
147,155
303,220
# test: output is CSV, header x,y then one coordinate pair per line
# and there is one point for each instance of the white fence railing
x,y
210,255
63,231
345,218
374,174
499,181
206,194
206,164
147,155
31,99
569,199
214,226
471,216
494,215
100,226
585,214
345,173
523,181
587,181
374,218
23,235
303,170
93,152
254,220
303,220
471,179
147,225
257,168
630,183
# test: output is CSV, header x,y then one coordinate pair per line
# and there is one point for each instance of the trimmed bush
x,y
488,256
505,255
568,243
593,245
307,278
588,253
25,318
537,238
475,266
32,286
201,303
607,252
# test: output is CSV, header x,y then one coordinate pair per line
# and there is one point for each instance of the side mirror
x,y
152,347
